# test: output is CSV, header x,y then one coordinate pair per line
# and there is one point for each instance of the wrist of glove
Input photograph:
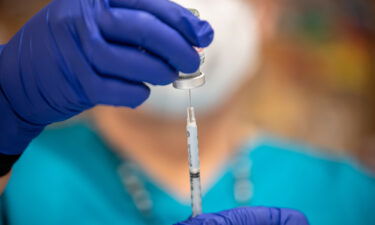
x,y
250,216
16,134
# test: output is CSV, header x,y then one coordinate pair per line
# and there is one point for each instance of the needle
x,y
189,97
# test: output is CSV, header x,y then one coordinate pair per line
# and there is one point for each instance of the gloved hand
x,y
250,216
75,54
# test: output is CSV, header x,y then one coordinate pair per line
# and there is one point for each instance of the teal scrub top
x,y
69,176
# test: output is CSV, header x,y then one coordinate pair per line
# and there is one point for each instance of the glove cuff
x,y
6,163
15,133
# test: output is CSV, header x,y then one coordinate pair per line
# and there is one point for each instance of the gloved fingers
x,y
264,216
139,28
198,32
250,216
117,92
130,63
292,217
124,62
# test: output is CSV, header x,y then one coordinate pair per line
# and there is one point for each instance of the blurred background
x,y
317,82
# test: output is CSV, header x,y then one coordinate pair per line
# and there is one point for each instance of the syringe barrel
x,y
194,167
196,196
192,139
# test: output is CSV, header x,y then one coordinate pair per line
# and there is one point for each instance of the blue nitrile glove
x,y
250,216
75,54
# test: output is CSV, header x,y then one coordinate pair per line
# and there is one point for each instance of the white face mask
x,y
228,60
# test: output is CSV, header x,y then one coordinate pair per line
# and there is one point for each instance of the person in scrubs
x,y
126,166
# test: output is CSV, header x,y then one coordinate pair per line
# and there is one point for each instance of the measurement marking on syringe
x,y
195,175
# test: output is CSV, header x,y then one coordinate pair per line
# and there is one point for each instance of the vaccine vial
x,y
192,80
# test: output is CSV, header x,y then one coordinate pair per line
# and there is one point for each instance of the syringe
x,y
194,167
188,82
